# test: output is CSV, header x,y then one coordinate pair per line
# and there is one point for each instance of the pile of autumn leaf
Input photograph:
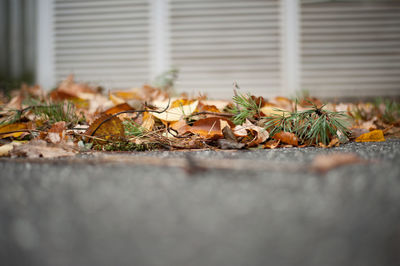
x,y
76,118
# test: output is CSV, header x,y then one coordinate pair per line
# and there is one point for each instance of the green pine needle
x,y
311,126
245,108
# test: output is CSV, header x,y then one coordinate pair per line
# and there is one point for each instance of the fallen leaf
x,y
177,113
106,126
148,121
259,133
287,137
10,128
271,110
272,144
118,108
373,136
210,127
326,162
40,148
180,126
56,133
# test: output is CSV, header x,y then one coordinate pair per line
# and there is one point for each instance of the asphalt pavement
x,y
261,207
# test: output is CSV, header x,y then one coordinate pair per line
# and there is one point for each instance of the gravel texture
x,y
91,211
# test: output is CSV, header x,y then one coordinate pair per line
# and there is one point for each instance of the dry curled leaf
x,y
287,138
106,127
326,162
259,133
373,136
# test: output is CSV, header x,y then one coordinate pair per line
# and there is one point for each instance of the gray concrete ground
x,y
269,209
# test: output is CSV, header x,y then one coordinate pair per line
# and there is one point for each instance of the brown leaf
x,y
56,133
106,127
287,137
180,126
209,127
326,162
40,148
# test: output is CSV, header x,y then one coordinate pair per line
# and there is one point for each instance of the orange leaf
x,y
11,128
119,108
107,127
375,135
287,137
209,127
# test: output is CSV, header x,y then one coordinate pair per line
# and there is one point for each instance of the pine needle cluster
x,y
313,126
245,107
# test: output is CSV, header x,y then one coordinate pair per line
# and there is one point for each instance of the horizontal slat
x,y
130,64
134,29
226,19
98,11
225,33
97,17
100,37
106,43
205,55
223,12
228,61
225,47
89,4
351,51
104,57
101,51
377,44
189,5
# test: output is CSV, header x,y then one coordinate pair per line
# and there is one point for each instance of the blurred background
x,y
270,47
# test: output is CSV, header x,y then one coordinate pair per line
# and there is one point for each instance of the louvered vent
x,y
214,42
105,42
351,49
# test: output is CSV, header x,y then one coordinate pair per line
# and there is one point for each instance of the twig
x,y
130,112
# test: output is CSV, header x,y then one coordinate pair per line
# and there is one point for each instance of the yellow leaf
x,y
269,110
375,135
11,128
107,127
175,114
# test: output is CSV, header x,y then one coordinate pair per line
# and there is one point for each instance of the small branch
x,y
130,112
